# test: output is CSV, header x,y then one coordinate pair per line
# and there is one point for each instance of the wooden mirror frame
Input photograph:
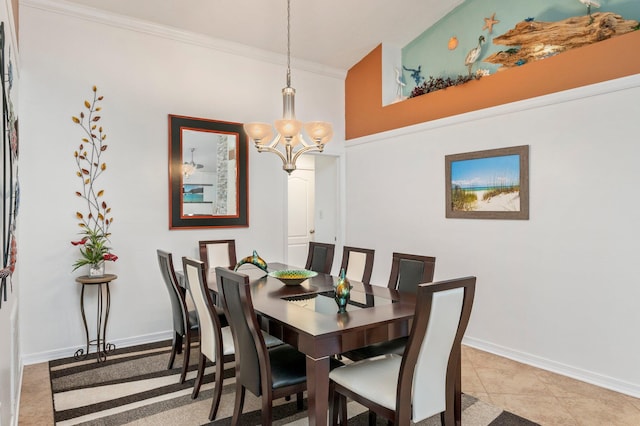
x,y
522,152
178,220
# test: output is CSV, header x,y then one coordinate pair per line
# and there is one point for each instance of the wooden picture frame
x,y
210,158
490,184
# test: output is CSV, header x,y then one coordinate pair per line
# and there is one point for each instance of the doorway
x,y
313,200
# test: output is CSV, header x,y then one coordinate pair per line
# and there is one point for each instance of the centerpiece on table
x,y
95,222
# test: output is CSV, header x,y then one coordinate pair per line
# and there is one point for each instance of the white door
x,y
301,198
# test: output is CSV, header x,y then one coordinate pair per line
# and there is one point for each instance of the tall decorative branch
x,y
97,220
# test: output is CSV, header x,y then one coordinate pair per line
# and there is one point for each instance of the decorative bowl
x,y
293,276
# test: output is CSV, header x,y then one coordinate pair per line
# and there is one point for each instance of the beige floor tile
x,y
482,396
597,412
633,401
35,420
566,387
35,398
514,382
546,410
471,382
481,359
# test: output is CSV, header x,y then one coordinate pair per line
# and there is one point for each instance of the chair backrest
x,y
320,257
218,253
195,273
252,358
431,358
176,292
357,263
409,270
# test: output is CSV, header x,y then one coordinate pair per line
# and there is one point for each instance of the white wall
x,y
9,309
560,290
144,76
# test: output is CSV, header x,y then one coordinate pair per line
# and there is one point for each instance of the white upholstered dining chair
x,y
216,253
216,342
425,380
357,263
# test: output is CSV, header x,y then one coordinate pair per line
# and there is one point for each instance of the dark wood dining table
x,y
306,317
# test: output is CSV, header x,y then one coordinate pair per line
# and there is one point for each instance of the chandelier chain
x,y
288,43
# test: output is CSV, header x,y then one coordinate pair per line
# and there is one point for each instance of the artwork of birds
x,y
590,3
399,83
474,54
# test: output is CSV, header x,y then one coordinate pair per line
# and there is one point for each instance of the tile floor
x,y
541,396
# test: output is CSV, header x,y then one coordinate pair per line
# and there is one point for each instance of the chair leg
x,y
185,357
372,418
217,391
238,404
342,404
299,400
267,403
179,343
334,408
174,349
196,386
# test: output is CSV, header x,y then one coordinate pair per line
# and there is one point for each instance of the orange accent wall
x,y
364,114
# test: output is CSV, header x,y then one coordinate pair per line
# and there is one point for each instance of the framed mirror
x,y
208,180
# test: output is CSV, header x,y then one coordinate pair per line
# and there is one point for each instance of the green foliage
x,y
462,199
93,248
497,191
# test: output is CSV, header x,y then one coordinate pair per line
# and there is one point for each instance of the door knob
x,y
312,231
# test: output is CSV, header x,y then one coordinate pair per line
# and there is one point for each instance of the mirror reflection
x,y
207,173
209,178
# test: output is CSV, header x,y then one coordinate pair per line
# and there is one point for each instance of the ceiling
x,y
334,33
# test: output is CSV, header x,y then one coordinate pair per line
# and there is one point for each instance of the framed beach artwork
x,y
491,184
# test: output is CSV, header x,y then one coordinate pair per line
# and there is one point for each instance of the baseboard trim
x,y
120,343
596,379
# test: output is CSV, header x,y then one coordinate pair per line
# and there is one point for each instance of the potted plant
x,y
95,223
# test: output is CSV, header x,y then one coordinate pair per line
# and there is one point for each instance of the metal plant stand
x,y
102,316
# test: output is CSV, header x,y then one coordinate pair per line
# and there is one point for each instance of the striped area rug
x,y
134,387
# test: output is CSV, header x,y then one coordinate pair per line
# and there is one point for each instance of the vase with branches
x,y
96,219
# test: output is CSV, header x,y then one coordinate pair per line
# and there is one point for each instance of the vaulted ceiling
x,y
334,33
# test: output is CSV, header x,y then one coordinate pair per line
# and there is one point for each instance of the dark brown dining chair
x,y
218,253
407,272
320,257
216,342
425,380
269,373
185,322
357,263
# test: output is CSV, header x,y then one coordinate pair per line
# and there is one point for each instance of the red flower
x,y
110,256
81,242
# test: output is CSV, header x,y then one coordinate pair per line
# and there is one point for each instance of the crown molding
x,y
145,27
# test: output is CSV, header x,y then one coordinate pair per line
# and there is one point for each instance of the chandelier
x,y
289,143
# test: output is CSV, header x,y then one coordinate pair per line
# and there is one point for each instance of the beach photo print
x,y
491,184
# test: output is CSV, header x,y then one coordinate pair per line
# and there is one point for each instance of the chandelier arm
x,y
304,142
263,148
306,149
275,141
